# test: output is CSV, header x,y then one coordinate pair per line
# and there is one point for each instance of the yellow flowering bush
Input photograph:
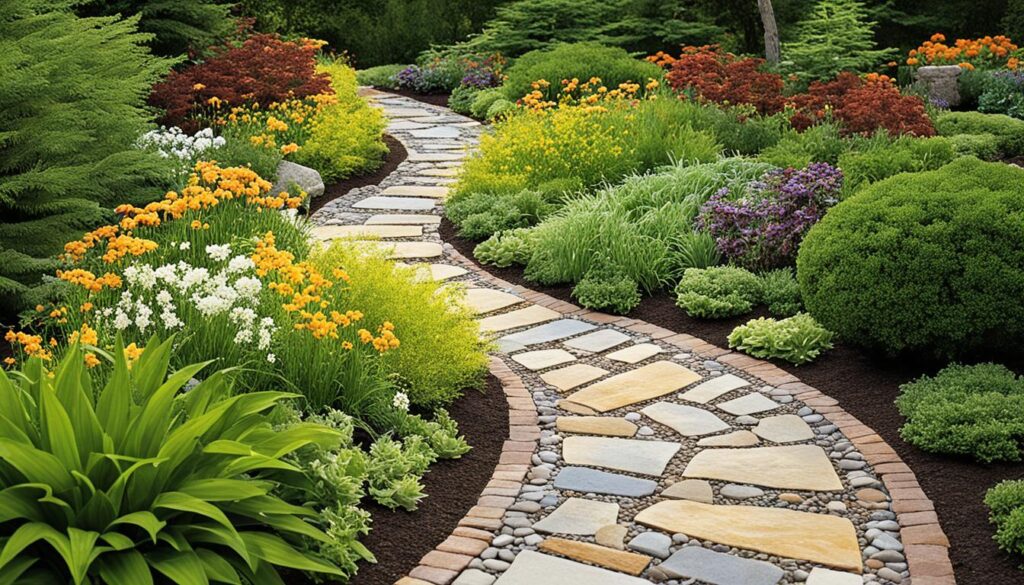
x,y
344,141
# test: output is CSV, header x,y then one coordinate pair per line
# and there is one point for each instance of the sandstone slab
x,y
587,481
749,404
643,457
405,250
486,300
820,576
797,467
624,562
544,358
785,428
579,516
598,341
707,391
450,172
715,568
446,271
685,420
519,318
551,331
734,439
416,191
572,376
330,232
534,568
596,425
644,383
403,219
635,354
407,203
574,408
696,490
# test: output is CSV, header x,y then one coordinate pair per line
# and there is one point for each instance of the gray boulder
x,y
289,173
940,81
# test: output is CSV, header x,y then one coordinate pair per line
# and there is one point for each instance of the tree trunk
x,y
771,31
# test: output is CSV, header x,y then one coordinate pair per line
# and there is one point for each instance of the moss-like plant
x,y
718,292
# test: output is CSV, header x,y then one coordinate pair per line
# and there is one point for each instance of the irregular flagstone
x,y
551,332
403,219
685,420
544,358
611,536
579,516
485,300
574,408
644,457
586,480
598,341
406,125
644,383
734,439
446,271
572,376
437,132
449,172
785,428
330,232
636,353
820,576
714,568
617,560
415,191
819,538
713,388
435,157
798,467
405,112
534,568
697,490
749,404
596,425
468,577
409,203
519,318
401,250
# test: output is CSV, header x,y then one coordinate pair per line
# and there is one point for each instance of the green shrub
x,y
177,26
1006,507
928,262
834,36
239,151
1009,130
505,248
984,146
577,60
479,215
884,159
440,353
179,511
821,143
781,292
798,339
461,99
381,76
1003,95
974,411
718,292
604,288
483,101
971,85
499,108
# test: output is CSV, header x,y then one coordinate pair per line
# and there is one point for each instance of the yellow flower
x,y
289,148
198,87
91,361
132,352
10,361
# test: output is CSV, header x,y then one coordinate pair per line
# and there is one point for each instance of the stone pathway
x,y
655,464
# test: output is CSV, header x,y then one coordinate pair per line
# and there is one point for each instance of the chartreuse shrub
x,y
718,292
798,339
581,61
382,76
1009,131
440,353
972,411
929,262
879,158
72,105
135,481
484,100
984,146
1006,510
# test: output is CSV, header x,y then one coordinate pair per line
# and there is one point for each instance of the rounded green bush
x,y
462,98
484,99
580,60
929,262
1009,130
718,292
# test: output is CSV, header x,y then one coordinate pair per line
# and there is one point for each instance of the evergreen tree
x,y
72,105
836,36
176,25
1013,22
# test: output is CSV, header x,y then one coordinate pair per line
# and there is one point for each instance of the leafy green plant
x,y
835,36
1006,510
984,146
499,108
973,411
928,262
1009,130
798,339
605,288
177,26
883,158
479,215
781,292
819,143
506,248
483,100
144,482
461,99
1004,94
382,76
582,61
394,470
718,292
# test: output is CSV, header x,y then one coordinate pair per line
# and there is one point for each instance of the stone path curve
x,y
636,454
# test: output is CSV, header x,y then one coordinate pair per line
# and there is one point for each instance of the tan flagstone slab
x,y
617,560
402,250
330,232
750,404
820,576
531,315
819,538
707,391
543,358
485,300
596,425
696,490
646,457
742,438
534,568
446,271
688,421
574,408
403,219
579,516
644,383
636,353
450,172
599,340
435,157
416,191
401,203
798,467
572,376
784,428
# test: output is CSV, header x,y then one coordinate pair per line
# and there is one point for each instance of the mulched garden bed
x,y
396,156
399,539
866,386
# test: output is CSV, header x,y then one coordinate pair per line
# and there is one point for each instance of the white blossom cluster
x,y
174,142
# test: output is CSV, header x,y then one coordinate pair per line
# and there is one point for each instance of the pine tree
x,y
177,26
72,105
836,36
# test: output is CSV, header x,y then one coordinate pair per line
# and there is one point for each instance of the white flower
x,y
248,287
271,358
401,401
211,305
193,277
166,273
164,298
121,320
142,315
243,336
143,276
243,316
170,319
185,246
218,253
240,264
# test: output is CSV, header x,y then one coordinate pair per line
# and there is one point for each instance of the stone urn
x,y
940,81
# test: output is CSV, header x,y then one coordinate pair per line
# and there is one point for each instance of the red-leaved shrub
x,y
725,79
263,69
862,106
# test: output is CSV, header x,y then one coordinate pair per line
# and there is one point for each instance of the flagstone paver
x,y
676,435
405,250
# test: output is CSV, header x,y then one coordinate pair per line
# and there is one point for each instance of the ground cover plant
x,y
798,339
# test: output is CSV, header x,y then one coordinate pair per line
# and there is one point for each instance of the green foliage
x,y
479,215
835,36
239,151
381,76
984,146
72,105
1006,506
506,248
440,353
781,292
499,108
1009,130
462,98
971,85
718,292
395,468
176,25
928,262
177,511
973,411
820,143
882,158
798,339
483,101
1004,94
604,288
577,60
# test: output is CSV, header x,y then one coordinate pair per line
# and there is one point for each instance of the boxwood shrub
x,y
1009,130
580,60
931,262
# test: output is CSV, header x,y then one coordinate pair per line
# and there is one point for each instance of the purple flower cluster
x,y
482,78
762,227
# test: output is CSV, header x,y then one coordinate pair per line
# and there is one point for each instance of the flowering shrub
x,y
284,126
590,94
185,150
723,78
762,226
263,69
985,53
440,73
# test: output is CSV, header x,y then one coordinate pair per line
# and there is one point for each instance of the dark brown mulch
x,y
434,99
399,539
865,386
396,156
